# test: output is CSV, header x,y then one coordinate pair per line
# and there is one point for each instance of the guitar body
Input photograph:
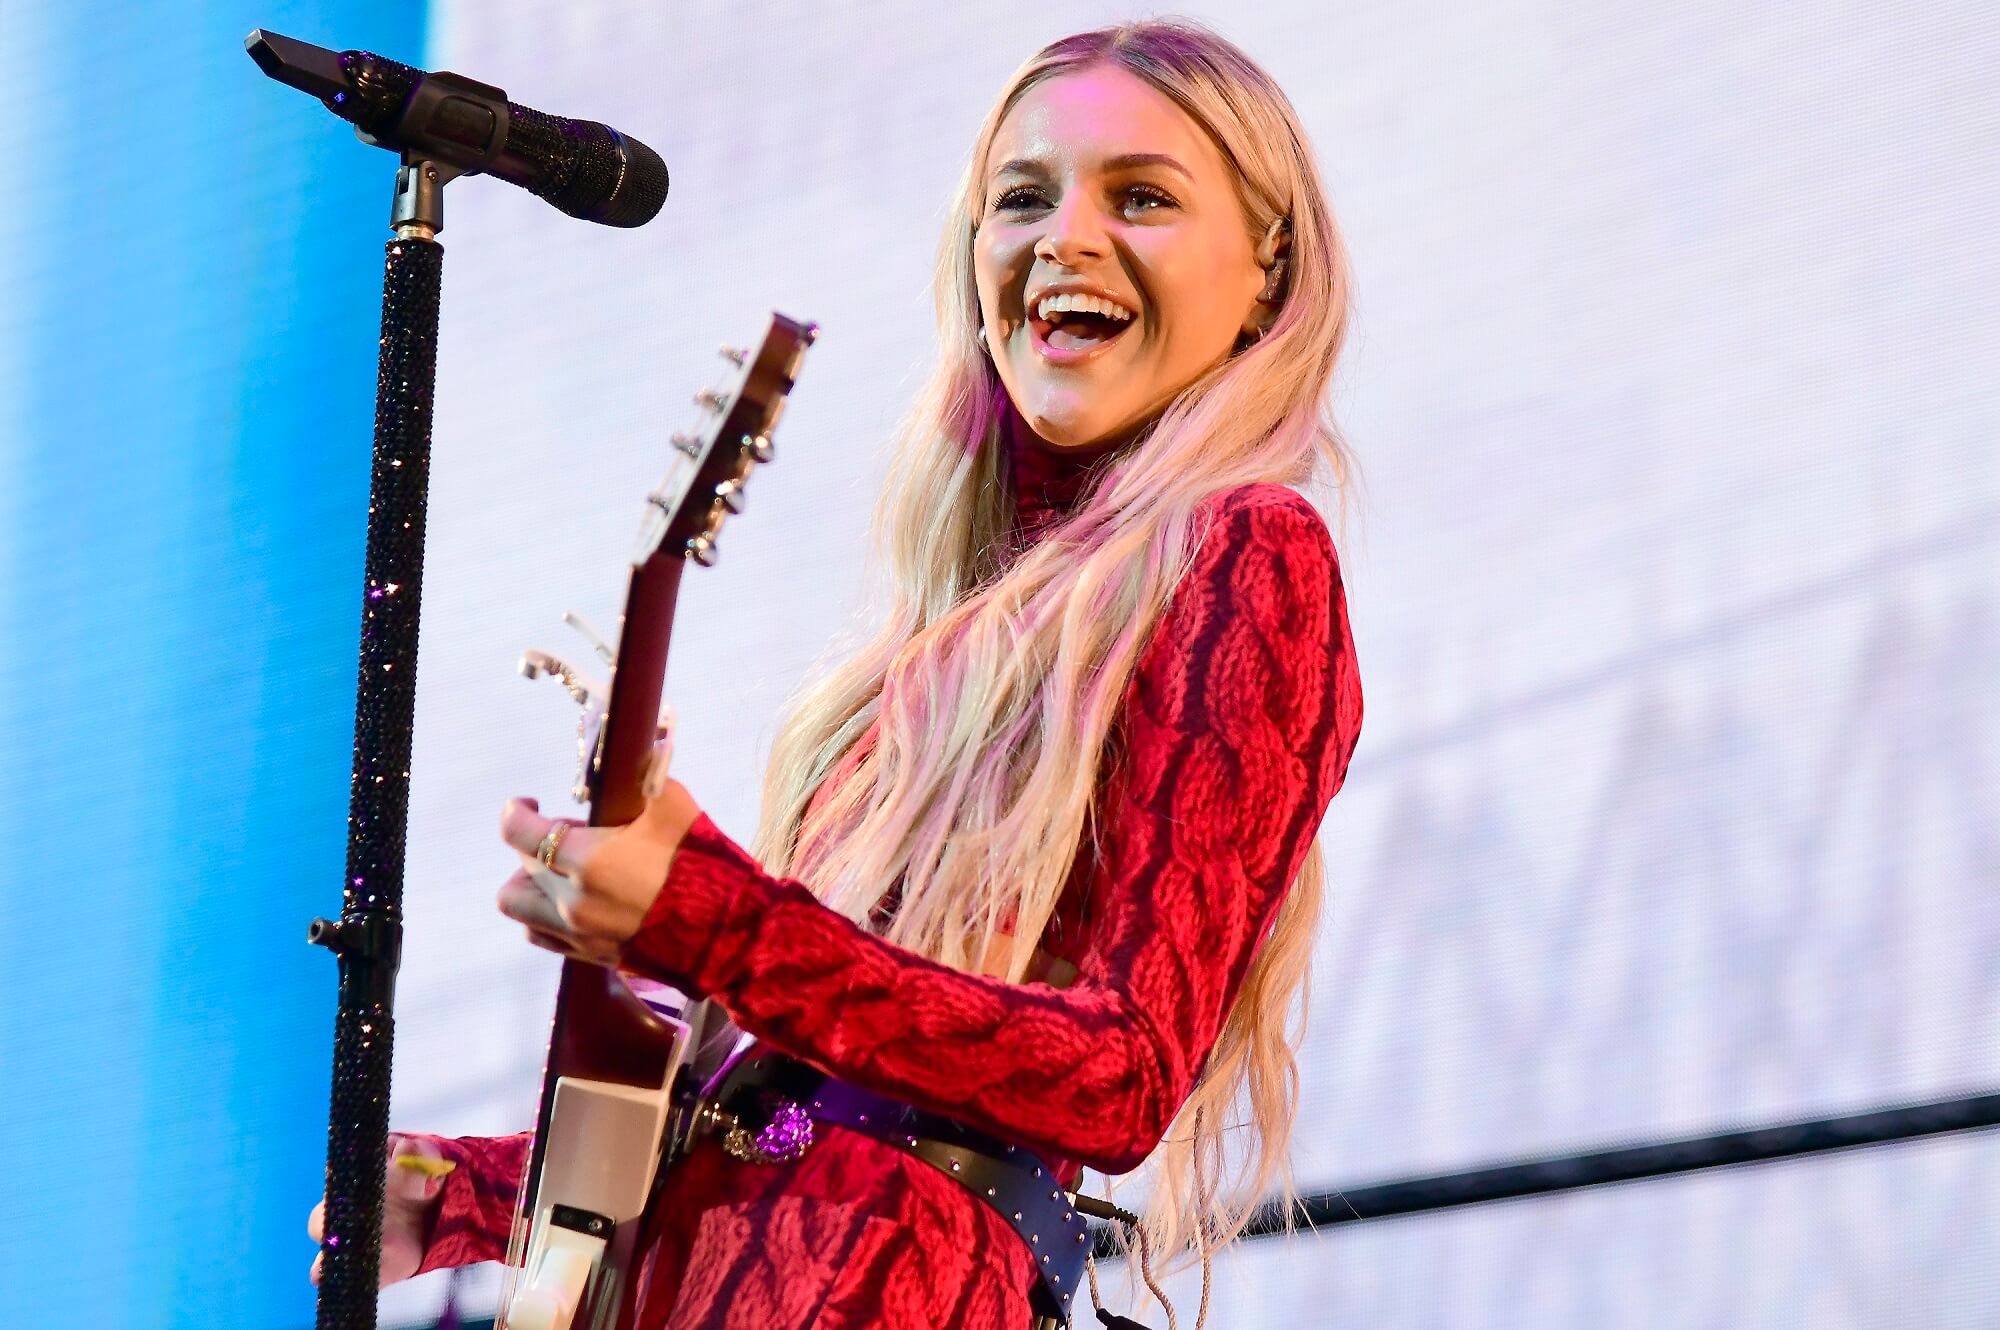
x,y
607,1097
616,1059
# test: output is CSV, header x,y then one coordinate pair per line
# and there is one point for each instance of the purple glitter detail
x,y
787,1135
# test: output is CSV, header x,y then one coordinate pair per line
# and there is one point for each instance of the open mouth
x,y
1069,328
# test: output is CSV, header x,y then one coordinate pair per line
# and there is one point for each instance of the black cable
x,y
1631,1163
1573,1172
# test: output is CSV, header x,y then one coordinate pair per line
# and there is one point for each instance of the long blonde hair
x,y
995,683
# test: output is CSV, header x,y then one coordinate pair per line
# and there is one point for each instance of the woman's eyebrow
x,y
1132,160
1021,166
1128,161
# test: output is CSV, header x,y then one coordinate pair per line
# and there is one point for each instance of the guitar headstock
x,y
713,460
684,518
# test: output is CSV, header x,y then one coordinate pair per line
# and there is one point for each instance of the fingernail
x,y
657,765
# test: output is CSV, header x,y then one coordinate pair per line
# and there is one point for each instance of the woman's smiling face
x,y
1112,257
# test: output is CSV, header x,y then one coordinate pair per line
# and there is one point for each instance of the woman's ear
x,y
1277,243
1273,254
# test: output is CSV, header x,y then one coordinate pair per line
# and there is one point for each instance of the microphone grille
x,y
593,172
642,190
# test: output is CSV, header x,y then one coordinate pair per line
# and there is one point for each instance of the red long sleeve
x,y
1236,731
475,1212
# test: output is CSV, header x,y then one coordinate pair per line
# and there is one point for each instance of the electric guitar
x,y
608,1089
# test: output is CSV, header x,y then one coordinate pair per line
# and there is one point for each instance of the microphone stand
x,y
368,936
442,125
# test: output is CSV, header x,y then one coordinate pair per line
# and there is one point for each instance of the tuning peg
x,y
605,651
709,400
686,443
702,549
760,446
735,355
582,688
730,492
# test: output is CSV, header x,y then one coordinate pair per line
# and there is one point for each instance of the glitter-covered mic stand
x,y
442,125
368,937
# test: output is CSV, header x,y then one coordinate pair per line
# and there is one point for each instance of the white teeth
x,y
1081,304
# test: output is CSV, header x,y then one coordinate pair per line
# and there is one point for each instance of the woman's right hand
x,y
409,1199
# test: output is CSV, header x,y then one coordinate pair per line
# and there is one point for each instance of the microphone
x,y
586,169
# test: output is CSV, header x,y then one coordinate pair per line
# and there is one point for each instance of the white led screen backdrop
x,y
1673,585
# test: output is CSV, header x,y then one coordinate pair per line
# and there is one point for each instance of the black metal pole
x,y
368,937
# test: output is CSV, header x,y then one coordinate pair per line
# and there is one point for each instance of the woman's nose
x,y
1075,232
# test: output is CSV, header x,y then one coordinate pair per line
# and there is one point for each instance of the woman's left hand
x,y
590,900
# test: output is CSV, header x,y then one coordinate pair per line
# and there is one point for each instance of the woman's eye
x,y
1021,196
1134,198
1146,198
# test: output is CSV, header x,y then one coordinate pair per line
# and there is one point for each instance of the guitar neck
x,y
638,682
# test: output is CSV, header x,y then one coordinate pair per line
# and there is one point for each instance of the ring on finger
x,y
545,851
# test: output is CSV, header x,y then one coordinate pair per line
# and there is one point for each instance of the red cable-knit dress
x,y
1234,733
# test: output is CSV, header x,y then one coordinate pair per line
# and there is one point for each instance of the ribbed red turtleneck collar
x,y
1048,481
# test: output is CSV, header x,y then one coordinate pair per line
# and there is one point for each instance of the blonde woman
x,y
1038,875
